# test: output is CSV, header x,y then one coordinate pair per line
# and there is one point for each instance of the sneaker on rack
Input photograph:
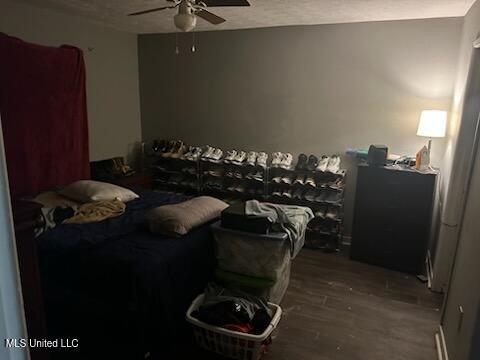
x,y
298,194
239,158
238,174
310,195
286,162
216,155
208,152
286,179
172,148
320,213
240,188
187,155
332,213
333,197
230,156
312,163
300,180
196,152
251,158
262,158
258,176
277,179
178,153
320,197
277,193
310,181
287,194
301,162
276,159
333,164
322,163
336,184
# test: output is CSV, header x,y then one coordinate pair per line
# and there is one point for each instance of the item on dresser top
x,y
89,190
179,219
301,162
291,219
377,155
312,163
262,159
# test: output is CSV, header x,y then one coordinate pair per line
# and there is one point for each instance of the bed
x,y
120,288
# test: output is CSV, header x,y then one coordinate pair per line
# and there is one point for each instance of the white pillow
x,y
89,190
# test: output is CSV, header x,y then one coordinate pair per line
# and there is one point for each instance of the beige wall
x,y
314,89
112,71
318,89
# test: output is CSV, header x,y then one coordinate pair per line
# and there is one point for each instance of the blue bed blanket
x,y
120,264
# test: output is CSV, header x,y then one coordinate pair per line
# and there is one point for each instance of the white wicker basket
x,y
232,344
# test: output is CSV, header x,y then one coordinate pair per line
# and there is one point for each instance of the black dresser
x,y
392,220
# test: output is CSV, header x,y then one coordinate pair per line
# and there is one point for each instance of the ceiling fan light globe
x,y
185,22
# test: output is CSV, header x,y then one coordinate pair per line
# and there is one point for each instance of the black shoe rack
x,y
231,182
324,197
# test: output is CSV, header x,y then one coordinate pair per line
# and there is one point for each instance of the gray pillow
x,y
179,219
89,190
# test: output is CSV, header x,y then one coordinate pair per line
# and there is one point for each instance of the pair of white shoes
x,y
329,164
212,154
259,159
282,160
193,153
235,157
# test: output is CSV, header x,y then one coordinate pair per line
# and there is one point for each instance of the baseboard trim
x,y
440,344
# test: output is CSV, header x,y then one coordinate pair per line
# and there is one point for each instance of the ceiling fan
x,y
188,10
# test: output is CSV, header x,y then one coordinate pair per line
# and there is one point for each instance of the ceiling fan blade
x,y
211,3
211,18
152,10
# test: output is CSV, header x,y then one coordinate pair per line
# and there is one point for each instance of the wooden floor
x,y
338,309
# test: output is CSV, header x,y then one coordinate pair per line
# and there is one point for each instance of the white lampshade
x,y
433,123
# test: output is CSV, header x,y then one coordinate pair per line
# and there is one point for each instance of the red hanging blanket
x,y
44,115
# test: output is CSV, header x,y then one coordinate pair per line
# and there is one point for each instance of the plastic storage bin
x,y
232,344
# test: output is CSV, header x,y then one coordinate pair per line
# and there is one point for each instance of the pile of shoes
x,y
282,160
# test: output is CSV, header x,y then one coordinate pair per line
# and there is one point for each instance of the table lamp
x,y
432,124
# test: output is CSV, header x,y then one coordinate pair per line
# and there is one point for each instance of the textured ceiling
x,y
262,13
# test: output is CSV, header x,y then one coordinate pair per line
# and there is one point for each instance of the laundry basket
x,y
232,344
